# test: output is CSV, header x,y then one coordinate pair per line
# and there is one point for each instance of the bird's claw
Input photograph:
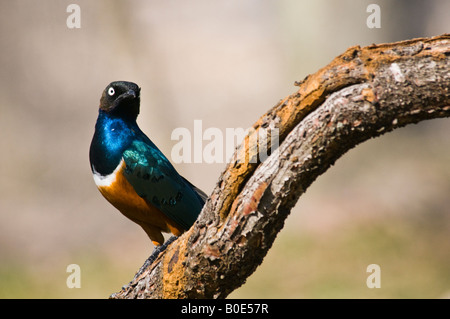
x,y
156,251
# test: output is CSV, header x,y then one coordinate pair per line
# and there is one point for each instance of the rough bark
x,y
361,94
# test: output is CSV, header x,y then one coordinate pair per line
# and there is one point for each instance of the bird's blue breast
x,y
116,134
112,137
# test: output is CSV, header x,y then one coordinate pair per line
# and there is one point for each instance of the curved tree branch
x,y
361,94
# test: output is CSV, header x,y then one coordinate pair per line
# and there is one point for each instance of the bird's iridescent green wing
x,y
155,179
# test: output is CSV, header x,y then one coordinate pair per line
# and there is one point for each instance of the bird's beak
x,y
129,94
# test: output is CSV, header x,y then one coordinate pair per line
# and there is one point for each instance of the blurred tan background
x,y
226,63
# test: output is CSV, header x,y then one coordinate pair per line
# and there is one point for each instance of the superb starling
x,y
133,174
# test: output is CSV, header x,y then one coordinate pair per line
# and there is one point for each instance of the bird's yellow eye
x,y
111,91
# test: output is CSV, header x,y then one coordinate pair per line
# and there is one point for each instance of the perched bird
x,y
133,174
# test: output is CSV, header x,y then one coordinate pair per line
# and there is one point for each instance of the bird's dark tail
x,y
200,194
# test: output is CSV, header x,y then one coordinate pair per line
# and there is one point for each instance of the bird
x,y
133,174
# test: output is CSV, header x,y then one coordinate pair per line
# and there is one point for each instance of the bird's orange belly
x,y
119,192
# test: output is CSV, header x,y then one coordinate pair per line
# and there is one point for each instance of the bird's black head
x,y
121,99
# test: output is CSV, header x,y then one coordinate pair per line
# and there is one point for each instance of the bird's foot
x,y
156,251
